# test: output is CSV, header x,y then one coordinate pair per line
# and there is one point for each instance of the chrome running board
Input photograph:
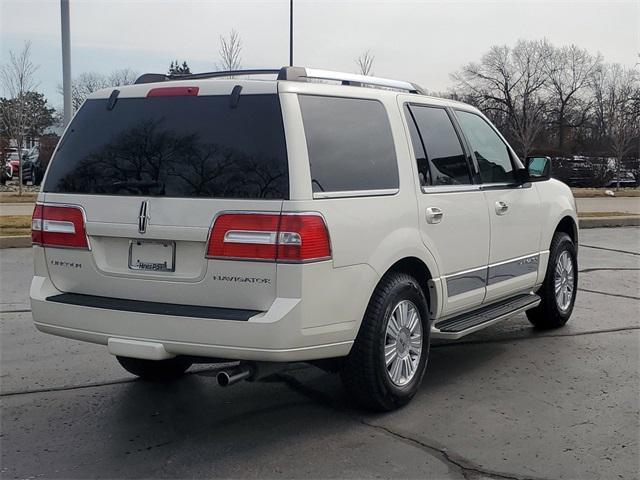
x,y
459,325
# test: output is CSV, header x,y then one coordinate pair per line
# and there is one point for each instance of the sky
x,y
420,41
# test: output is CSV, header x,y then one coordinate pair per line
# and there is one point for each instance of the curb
x,y
603,222
15,241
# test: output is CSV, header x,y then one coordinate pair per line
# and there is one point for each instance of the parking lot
x,y
507,402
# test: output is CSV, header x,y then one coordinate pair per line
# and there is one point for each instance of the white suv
x,y
323,217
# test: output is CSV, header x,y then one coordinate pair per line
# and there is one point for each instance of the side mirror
x,y
538,168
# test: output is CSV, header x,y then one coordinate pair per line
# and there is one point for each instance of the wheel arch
x,y
568,225
418,269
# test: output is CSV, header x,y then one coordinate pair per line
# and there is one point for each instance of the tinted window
x,y
418,149
445,162
349,143
176,147
491,152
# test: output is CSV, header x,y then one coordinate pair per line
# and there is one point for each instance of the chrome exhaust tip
x,y
229,377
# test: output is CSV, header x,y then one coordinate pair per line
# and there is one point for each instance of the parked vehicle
x,y
13,158
32,168
347,224
12,162
6,172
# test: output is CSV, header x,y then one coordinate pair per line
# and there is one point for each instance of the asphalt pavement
x,y
506,402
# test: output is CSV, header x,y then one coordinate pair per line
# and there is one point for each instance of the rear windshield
x,y
176,147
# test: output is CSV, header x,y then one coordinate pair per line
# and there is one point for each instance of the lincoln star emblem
x,y
143,217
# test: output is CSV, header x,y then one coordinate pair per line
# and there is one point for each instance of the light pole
x,y
291,33
66,62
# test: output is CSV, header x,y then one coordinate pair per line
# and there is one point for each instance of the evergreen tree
x,y
176,69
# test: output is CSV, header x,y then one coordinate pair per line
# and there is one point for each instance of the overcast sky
x,y
421,41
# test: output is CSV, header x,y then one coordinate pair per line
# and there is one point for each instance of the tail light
x,y
58,226
286,237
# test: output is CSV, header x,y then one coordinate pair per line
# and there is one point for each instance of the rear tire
x,y
558,291
370,373
156,370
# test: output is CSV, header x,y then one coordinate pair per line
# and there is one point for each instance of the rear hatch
x,y
150,170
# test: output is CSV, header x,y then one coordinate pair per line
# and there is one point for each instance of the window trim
x,y
469,159
514,166
407,108
286,162
472,187
380,192
375,192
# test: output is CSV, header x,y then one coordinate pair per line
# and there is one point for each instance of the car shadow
x,y
218,430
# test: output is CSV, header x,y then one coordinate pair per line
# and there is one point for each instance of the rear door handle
x,y
501,207
434,215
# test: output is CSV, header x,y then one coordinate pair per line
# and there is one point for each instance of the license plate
x,y
152,256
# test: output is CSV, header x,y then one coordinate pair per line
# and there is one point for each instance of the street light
x,y
291,33
66,62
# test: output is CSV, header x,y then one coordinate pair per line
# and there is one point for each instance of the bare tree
x,y
84,85
17,78
365,63
508,84
88,82
122,76
616,92
569,70
230,50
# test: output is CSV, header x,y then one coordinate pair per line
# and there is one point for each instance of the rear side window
x,y
183,146
349,143
439,154
494,159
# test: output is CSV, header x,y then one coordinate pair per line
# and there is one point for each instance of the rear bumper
x,y
280,334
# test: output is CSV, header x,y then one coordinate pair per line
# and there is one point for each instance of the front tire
x,y
558,291
389,356
155,370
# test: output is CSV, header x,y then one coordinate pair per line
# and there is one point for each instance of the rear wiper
x,y
133,184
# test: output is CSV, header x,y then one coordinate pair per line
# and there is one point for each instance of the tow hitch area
x,y
137,349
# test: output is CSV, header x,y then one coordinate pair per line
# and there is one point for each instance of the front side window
x,y
494,159
349,143
439,154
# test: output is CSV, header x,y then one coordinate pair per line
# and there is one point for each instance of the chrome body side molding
x,y
468,280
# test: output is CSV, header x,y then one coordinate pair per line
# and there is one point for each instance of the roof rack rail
x,y
296,74
301,74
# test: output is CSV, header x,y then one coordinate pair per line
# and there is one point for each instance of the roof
x,y
292,79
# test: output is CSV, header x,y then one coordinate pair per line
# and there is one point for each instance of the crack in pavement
x,y
63,388
464,466
619,295
610,249
613,269
444,454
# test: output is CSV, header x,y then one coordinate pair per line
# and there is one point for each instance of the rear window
x,y
349,144
184,146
